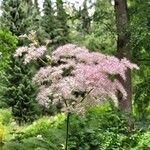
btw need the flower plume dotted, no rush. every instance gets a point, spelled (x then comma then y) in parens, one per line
(77, 77)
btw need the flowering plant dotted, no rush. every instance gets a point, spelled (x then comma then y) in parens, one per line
(76, 77)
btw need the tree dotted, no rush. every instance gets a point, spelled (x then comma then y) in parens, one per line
(48, 20)
(20, 92)
(104, 15)
(102, 35)
(34, 16)
(85, 18)
(8, 44)
(14, 16)
(123, 50)
(36, 6)
(62, 31)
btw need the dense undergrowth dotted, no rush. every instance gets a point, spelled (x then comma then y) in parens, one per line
(100, 128)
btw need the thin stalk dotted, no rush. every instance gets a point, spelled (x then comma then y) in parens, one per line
(43, 61)
(67, 131)
(86, 95)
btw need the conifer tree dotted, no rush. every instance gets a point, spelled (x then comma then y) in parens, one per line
(36, 6)
(62, 27)
(34, 16)
(14, 16)
(8, 44)
(48, 20)
(20, 93)
(85, 18)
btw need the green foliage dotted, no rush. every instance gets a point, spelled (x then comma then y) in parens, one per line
(142, 95)
(144, 142)
(8, 44)
(85, 19)
(140, 45)
(62, 29)
(96, 40)
(2, 134)
(54, 27)
(15, 16)
(101, 128)
(33, 143)
(140, 30)
(43, 134)
(34, 16)
(5, 116)
(101, 34)
(36, 21)
(43, 125)
(20, 92)
(49, 20)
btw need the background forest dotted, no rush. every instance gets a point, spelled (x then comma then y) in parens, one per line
(119, 28)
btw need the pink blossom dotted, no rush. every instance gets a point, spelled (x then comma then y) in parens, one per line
(31, 52)
(34, 53)
(78, 75)
(43, 96)
(20, 50)
(42, 75)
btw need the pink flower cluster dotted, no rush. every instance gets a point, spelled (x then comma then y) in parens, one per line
(30, 52)
(78, 77)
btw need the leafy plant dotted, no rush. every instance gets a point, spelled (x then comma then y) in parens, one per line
(5, 116)
(100, 128)
(8, 44)
(2, 134)
(143, 142)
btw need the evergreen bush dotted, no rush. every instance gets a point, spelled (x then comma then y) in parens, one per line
(20, 92)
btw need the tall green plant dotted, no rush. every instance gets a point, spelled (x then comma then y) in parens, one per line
(85, 18)
(48, 20)
(8, 44)
(62, 31)
(20, 92)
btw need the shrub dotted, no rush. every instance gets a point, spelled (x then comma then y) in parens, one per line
(5, 116)
(2, 134)
(43, 125)
(43, 134)
(100, 128)
(144, 142)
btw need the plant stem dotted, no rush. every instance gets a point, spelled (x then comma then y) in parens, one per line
(67, 131)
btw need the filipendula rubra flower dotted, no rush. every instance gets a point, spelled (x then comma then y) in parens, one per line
(77, 77)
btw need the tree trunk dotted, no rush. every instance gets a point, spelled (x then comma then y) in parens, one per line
(123, 50)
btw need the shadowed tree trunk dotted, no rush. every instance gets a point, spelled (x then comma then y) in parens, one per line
(123, 50)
